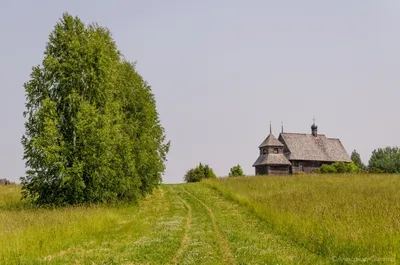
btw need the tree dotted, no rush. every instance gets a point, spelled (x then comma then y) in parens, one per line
(198, 173)
(385, 160)
(236, 171)
(92, 130)
(355, 157)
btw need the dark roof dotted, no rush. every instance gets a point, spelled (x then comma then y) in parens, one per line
(270, 141)
(271, 159)
(308, 147)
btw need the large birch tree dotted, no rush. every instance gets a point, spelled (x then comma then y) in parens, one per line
(92, 128)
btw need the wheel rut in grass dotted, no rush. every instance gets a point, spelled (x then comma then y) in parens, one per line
(222, 241)
(185, 239)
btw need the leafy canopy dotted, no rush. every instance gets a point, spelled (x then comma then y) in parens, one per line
(198, 173)
(92, 128)
(236, 171)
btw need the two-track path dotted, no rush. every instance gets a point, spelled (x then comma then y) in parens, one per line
(219, 231)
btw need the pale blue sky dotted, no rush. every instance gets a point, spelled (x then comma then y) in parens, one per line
(221, 70)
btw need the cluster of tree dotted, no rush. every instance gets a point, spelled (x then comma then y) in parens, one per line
(92, 128)
(385, 160)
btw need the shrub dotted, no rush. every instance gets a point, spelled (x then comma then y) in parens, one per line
(198, 173)
(236, 171)
(327, 169)
(338, 167)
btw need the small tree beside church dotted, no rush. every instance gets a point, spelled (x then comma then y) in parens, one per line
(355, 157)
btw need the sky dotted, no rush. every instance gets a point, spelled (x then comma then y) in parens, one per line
(221, 70)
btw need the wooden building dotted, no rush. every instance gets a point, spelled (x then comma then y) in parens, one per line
(295, 152)
(4, 182)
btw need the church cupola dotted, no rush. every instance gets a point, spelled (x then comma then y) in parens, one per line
(314, 129)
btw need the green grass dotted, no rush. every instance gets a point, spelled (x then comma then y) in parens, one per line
(344, 217)
(98, 234)
(178, 224)
(251, 220)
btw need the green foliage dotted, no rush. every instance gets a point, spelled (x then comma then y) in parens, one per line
(92, 129)
(385, 160)
(198, 173)
(338, 167)
(327, 169)
(355, 157)
(236, 171)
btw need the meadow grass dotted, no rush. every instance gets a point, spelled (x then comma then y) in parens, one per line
(224, 232)
(251, 220)
(90, 234)
(347, 218)
(177, 224)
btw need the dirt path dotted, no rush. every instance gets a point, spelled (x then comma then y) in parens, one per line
(223, 243)
(185, 240)
(234, 233)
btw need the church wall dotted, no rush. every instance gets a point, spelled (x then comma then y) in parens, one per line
(306, 166)
(278, 170)
(261, 170)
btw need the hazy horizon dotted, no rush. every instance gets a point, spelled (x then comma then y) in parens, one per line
(221, 70)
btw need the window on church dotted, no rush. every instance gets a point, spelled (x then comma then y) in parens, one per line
(276, 150)
(264, 151)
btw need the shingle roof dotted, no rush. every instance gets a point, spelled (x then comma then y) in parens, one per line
(309, 147)
(270, 141)
(271, 159)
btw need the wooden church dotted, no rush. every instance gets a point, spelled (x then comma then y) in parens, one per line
(298, 152)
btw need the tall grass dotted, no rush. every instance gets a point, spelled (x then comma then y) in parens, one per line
(345, 217)
(29, 233)
(148, 233)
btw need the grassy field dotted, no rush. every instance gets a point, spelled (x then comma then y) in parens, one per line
(254, 220)
(353, 218)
